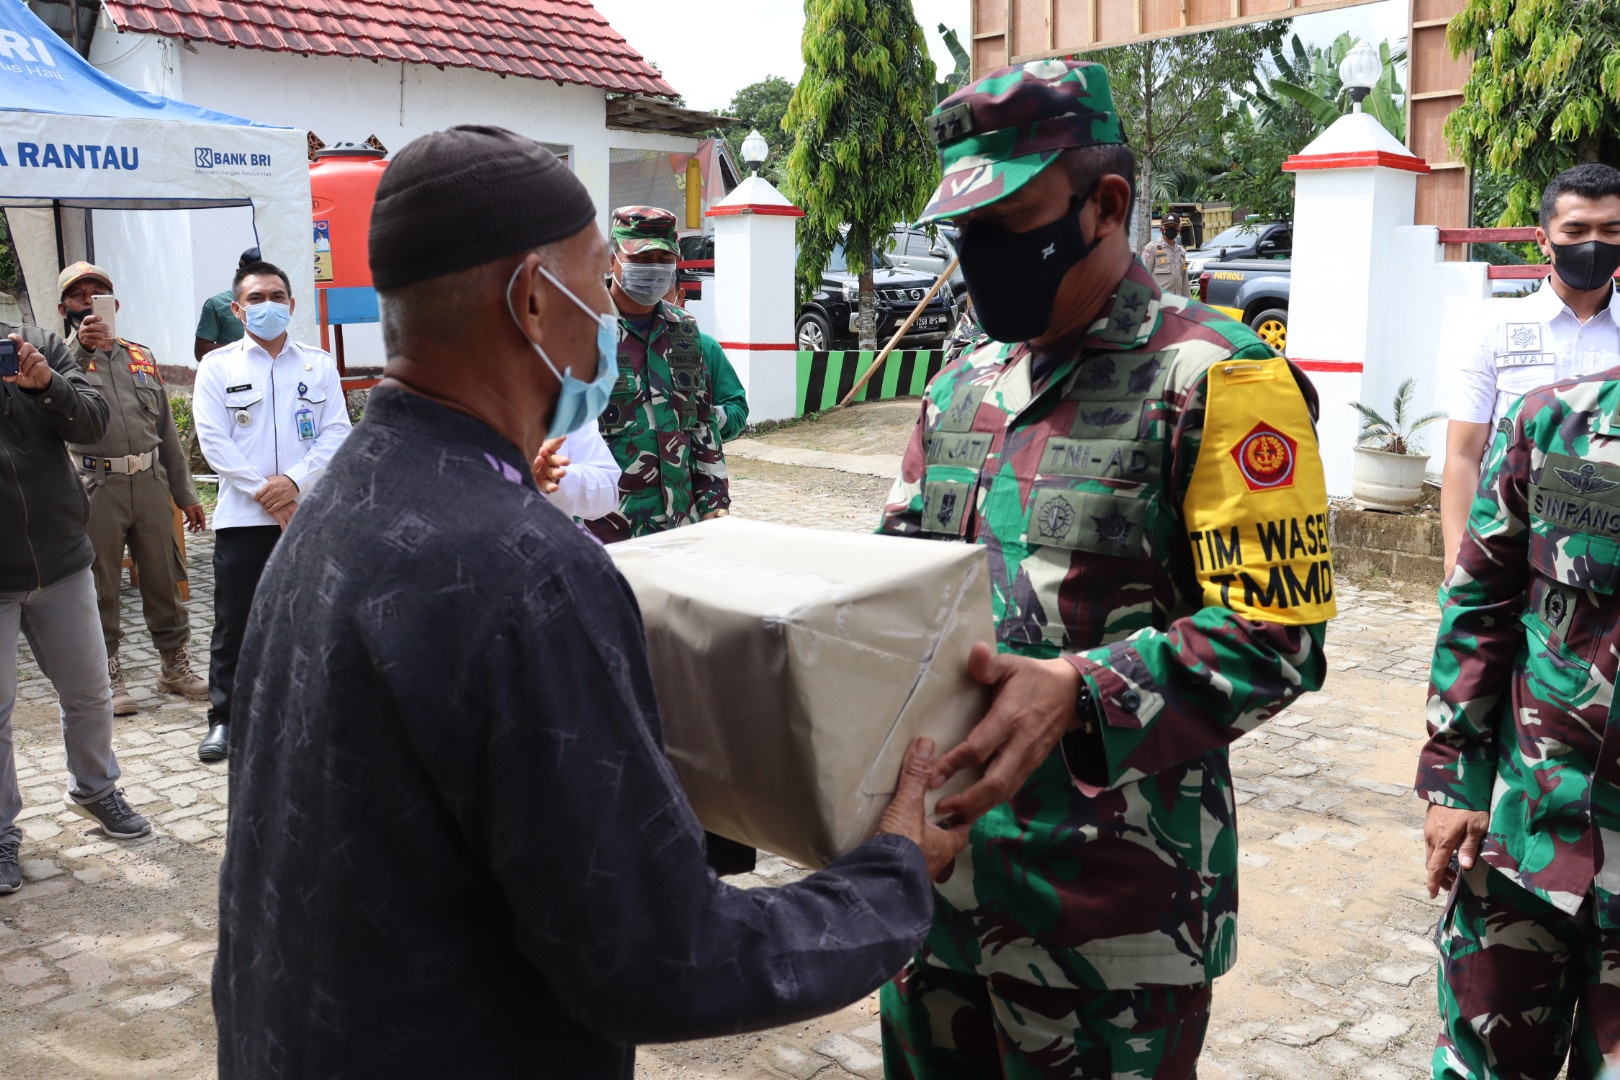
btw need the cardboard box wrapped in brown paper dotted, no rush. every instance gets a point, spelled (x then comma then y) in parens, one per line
(794, 666)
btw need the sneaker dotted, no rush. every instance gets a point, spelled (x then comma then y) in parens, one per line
(10, 872)
(112, 813)
(123, 701)
(177, 676)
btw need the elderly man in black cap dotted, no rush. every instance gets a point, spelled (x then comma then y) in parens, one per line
(456, 847)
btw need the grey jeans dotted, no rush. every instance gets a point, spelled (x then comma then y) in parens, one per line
(64, 630)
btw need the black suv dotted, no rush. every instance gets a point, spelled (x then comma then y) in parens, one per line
(827, 319)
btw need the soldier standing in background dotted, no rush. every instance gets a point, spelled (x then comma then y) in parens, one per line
(131, 474)
(1144, 476)
(218, 325)
(1166, 259)
(660, 423)
(1521, 789)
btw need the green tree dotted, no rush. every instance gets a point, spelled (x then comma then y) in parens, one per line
(1543, 94)
(861, 155)
(761, 106)
(1169, 92)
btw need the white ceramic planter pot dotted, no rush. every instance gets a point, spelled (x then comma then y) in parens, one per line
(1385, 481)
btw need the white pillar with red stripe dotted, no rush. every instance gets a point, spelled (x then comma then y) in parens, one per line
(1355, 185)
(755, 252)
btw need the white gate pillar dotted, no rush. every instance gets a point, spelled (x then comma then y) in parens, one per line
(755, 253)
(1355, 185)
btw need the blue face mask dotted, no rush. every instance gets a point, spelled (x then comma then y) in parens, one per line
(578, 403)
(267, 321)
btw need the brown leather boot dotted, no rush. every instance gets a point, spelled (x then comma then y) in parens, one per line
(177, 676)
(123, 701)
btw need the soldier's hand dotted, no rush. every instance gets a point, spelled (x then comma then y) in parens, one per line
(550, 466)
(906, 816)
(94, 334)
(1035, 704)
(196, 520)
(33, 370)
(1447, 830)
(276, 493)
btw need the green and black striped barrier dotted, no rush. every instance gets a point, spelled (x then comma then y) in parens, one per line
(825, 377)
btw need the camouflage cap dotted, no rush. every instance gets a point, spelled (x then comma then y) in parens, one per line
(76, 272)
(644, 228)
(999, 133)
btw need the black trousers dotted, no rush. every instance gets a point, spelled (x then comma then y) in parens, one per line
(239, 558)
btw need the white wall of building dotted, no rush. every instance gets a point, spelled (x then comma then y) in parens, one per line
(340, 100)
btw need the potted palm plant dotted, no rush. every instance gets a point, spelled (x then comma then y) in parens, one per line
(1389, 466)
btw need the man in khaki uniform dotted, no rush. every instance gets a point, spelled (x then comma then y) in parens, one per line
(131, 475)
(1166, 259)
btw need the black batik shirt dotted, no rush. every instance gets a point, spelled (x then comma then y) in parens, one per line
(456, 848)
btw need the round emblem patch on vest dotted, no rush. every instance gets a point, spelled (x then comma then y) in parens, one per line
(1265, 457)
(243, 419)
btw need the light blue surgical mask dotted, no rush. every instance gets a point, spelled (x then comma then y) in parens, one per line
(267, 321)
(578, 402)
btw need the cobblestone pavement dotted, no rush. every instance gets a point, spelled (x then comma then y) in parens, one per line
(106, 951)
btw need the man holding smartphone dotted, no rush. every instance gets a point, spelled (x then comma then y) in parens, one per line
(46, 589)
(131, 473)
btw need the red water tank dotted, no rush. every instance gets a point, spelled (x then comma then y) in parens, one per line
(343, 184)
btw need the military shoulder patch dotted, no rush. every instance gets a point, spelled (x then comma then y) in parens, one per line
(1266, 458)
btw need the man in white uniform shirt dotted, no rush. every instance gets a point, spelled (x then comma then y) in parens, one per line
(578, 474)
(270, 414)
(1569, 327)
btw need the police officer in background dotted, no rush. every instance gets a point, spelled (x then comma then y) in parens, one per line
(131, 474)
(270, 414)
(661, 423)
(1166, 259)
(1143, 474)
(1567, 328)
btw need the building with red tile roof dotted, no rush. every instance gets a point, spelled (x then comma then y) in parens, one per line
(564, 41)
(384, 72)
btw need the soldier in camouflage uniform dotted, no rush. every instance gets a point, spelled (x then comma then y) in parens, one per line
(1144, 476)
(660, 423)
(1521, 789)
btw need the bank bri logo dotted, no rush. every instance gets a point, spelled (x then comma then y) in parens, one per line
(218, 159)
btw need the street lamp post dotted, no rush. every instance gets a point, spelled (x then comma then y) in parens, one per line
(1359, 71)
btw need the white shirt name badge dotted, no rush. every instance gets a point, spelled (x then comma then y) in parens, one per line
(1523, 346)
(305, 417)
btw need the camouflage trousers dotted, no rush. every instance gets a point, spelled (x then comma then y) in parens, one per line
(947, 1025)
(1523, 985)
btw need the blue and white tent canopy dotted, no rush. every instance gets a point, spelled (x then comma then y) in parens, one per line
(71, 135)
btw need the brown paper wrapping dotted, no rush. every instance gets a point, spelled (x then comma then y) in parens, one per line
(794, 666)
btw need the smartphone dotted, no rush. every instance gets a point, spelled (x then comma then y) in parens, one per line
(105, 308)
(8, 357)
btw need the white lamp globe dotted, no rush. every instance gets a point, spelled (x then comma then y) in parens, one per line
(755, 149)
(1360, 71)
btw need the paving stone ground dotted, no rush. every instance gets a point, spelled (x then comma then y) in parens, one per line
(105, 953)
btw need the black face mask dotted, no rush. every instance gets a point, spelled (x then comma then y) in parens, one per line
(1013, 278)
(74, 318)
(1588, 266)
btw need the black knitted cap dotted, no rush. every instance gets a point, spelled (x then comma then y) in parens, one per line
(463, 197)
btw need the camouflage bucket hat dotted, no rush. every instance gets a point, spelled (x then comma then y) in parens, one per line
(998, 134)
(644, 228)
